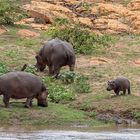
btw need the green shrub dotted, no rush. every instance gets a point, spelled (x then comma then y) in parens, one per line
(9, 11)
(61, 21)
(67, 77)
(3, 68)
(81, 84)
(31, 69)
(57, 92)
(83, 41)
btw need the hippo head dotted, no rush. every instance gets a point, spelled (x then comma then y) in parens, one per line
(40, 65)
(42, 99)
(111, 85)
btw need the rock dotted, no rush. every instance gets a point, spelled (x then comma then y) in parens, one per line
(137, 61)
(134, 5)
(111, 25)
(116, 18)
(39, 26)
(106, 9)
(104, 16)
(3, 29)
(27, 33)
(86, 21)
(25, 21)
(47, 11)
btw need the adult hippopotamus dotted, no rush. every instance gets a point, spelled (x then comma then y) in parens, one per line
(18, 85)
(55, 54)
(119, 84)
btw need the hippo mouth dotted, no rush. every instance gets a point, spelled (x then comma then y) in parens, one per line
(108, 89)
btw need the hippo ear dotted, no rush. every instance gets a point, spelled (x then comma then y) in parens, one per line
(113, 82)
(108, 82)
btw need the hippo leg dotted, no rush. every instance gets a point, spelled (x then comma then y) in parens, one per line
(50, 70)
(71, 67)
(116, 92)
(124, 91)
(31, 103)
(6, 100)
(56, 72)
(28, 102)
(129, 91)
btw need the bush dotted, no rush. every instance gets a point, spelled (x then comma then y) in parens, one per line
(61, 21)
(3, 68)
(67, 77)
(81, 84)
(30, 69)
(9, 11)
(83, 41)
(57, 92)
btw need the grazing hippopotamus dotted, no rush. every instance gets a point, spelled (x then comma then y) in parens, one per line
(119, 84)
(55, 54)
(19, 85)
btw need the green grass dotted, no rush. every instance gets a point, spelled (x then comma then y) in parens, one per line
(16, 51)
(55, 114)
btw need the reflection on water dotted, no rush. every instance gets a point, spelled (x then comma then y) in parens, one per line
(124, 134)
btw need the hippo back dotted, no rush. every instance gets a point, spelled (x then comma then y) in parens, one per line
(122, 82)
(20, 84)
(57, 50)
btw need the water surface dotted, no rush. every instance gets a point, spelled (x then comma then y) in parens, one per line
(122, 134)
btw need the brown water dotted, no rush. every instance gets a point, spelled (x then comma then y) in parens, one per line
(50, 134)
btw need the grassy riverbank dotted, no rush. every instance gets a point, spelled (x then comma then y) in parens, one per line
(84, 109)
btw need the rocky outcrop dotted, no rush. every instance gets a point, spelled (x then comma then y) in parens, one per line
(117, 18)
(134, 5)
(24, 33)
(48, 12)
(106, 17)
(3, 29)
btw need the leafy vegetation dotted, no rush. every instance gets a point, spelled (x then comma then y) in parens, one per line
(3, 68)
(67, 77)
(58, 92)
(9, 11)
(83, 41)
(31, 69)
(61, 21)
(81, 84)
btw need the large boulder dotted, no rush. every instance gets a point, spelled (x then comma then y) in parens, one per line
(47, 11)
(111, 26)
(115, 18)
(106, 17)
(24, 33)
(134, 5)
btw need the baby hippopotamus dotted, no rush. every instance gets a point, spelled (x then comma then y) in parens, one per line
(119, 84)
(19, 85)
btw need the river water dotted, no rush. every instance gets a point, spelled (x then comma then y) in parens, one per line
(122, 134)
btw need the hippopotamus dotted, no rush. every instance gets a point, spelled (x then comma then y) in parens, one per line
(55, 53)
(19, 85)
(119, 84)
